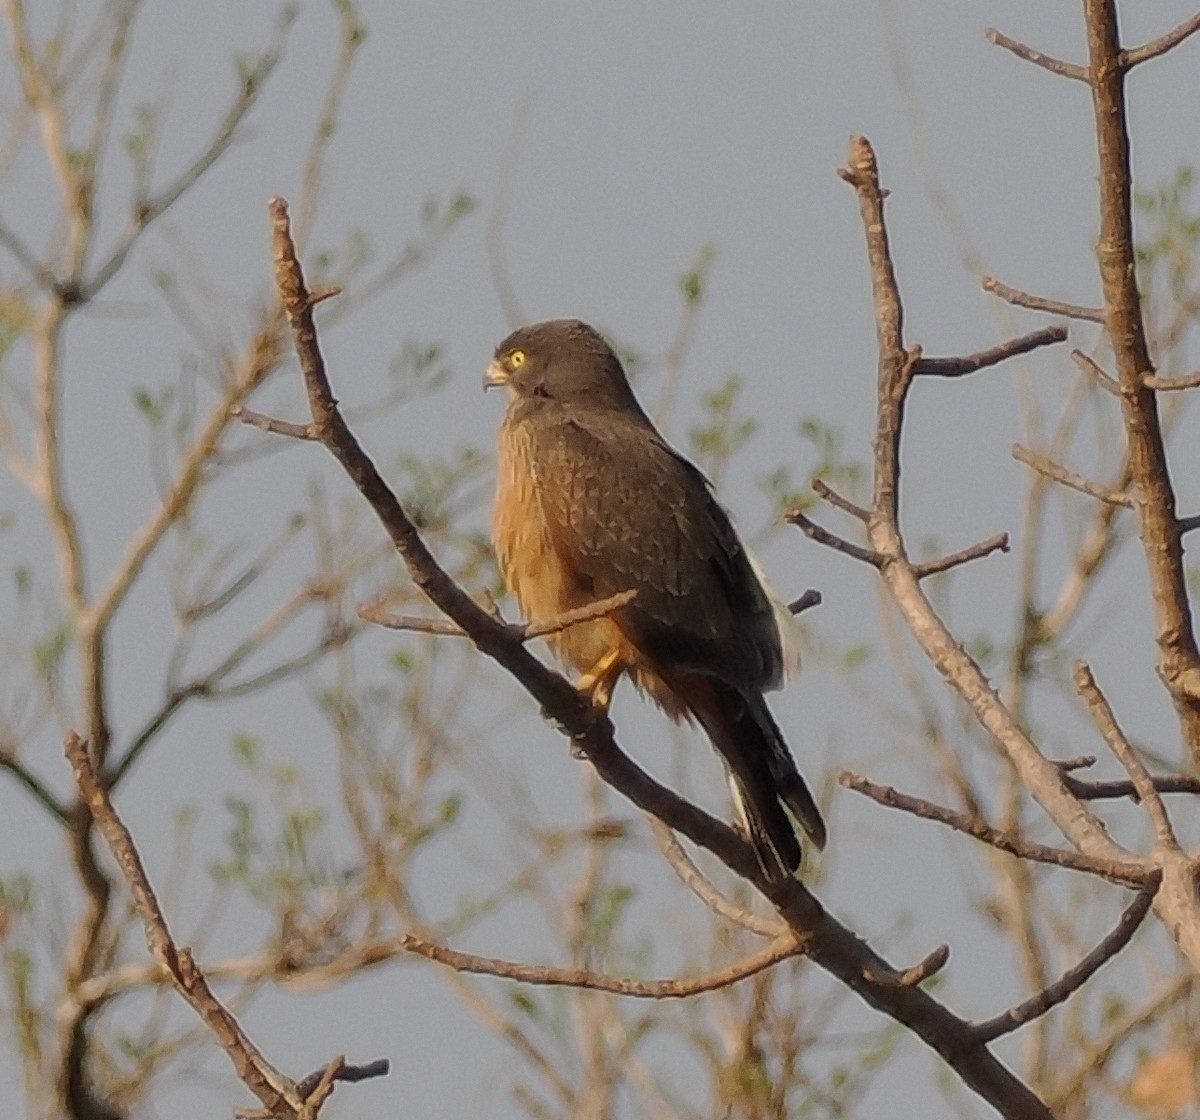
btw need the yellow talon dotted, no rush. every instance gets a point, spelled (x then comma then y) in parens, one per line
(598, 684)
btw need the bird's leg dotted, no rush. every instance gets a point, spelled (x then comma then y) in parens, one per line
(598, 683)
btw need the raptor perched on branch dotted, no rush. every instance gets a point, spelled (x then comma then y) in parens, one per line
(592, 501)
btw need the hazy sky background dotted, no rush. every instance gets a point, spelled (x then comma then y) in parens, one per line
(652, 129)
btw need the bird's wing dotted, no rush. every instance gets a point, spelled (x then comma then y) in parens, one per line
(625, 511)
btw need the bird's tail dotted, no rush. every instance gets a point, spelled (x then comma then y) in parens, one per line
(770, 795)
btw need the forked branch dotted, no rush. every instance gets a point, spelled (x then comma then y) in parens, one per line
(817, 934)
(1074, 978)
(278, 1094)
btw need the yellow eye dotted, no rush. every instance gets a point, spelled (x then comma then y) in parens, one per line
(516, 359)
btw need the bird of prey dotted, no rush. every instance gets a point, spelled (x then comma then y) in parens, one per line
(591, 501)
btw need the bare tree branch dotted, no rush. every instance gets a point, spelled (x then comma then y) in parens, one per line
(1136, 55)
(971, 363)
(270, 424)
(824, 490)
(998, 543)
(816, 533)
(524, 632)
(811, 598)
(930, 965)
(276, 1091)
(1044, 781)
(1092, 368)
(1179, 657)
(1105, 790)
(545, 975)
(34, 785)
(819, 935)
(316, 1088)
(1070, 70)
(1038, 303)
(1058, 473)
(1074, 978)
(1125, 872)
(1106, 721)
(1171, 384)
(692, 878)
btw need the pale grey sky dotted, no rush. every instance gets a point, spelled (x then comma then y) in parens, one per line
(652, 129)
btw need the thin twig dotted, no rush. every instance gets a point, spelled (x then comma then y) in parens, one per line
(1093, 369)
(318, 1085)
(523, 632)
(692, 878)
(270, 424)
(970, 363)
(148, 210)
(24, 255)
(1106, 721)
(1164, 43)
(1038, 303)
(998, 543)
(1058, 473)
(262, 357)
(1171, 384)
(1078, 762)
(1127, 872)
(811, 598)
(816, 533)
(1057, 66)
(822, 489)
(380, 1067)
(1123, 787)
(498, 215)
(1074, 978)
(276, 1091)
(895, 363)
(35, 786)
(929, 965)
(545, 975)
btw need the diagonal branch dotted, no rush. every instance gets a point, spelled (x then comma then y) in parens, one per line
(815, 532)
(1040, 776)
(147, 210)
(1074, 978)
(524, 632)
(994, 355)
(691, 877)
(1039, 303)
(819, 935)
(1106, 721)
(1093, 369)
(276, 1092)
(1057, 66)
(998, 543)
(1058, 473)
(838, 501)
(1164, 43)
(1126, 872)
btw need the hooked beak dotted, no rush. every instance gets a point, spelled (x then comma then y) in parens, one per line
(496, 375)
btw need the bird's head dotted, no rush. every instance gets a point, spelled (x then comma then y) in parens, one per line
(563, 360)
